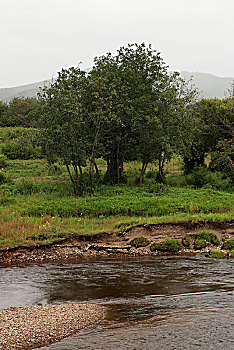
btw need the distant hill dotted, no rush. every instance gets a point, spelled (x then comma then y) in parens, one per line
(209, 85)
(29, 90)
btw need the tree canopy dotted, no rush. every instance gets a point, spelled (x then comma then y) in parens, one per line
(127, 107)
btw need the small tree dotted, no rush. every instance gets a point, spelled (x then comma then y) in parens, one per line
(22, 112)
(64, 122)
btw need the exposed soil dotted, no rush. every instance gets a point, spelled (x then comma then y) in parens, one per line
(118, 243)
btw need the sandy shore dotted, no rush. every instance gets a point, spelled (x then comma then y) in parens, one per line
(32, 327)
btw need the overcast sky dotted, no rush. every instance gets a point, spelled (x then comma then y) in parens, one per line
(39, 37)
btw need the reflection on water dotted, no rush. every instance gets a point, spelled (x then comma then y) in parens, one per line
(152, 303)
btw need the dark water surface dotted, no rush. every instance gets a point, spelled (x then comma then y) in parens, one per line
(151, 303)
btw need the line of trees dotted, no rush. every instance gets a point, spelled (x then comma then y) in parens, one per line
(127, 107)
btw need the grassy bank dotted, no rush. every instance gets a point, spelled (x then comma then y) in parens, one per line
(38, 205)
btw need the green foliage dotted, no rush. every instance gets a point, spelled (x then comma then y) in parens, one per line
(212, 120)
(169, 245)
(200, 243)
(229, 244)
(222, 159)
(186, 240)
(4, 178)
(20, 149)
(19, 143)
(231, 254)
(21, 112)
(204, 238)
(139, 242)
(216, 254)
(127, 107)
(55, 169)
(3, 161)
(203, 177)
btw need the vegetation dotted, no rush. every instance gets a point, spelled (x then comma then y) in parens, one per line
(200, 243)
(139, 242)
(125, 142)
(216, 254)
(169, 245)
(209, 237)
(186, 240)
(229, 244)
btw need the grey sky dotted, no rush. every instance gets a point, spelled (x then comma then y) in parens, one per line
(39, 37)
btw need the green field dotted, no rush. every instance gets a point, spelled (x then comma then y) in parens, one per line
(38, 204)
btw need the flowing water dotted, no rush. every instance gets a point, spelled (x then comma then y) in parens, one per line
(151, 303)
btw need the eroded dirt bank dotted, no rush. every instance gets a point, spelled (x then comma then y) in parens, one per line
(118, 243)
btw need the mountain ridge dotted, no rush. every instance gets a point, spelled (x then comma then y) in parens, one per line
(209, 85)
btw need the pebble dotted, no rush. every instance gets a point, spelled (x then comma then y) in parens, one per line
(36, 326)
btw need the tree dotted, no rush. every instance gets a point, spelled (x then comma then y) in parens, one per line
(3, 109)
(213, 121)
(64, 122)
(22, 112)
(222, 158)
(140, 105)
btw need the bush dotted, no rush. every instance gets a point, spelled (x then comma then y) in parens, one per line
(139, 242)
(200, 244)
(186, 240)
(4, 178)
(55, 169)
(20, 149)
(26, 187)
(229, 244)
(169, 245)
(3, 161)
(216, 254)
(209, 237)
(231, 254)
(203, 177)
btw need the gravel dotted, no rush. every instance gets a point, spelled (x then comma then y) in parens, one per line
(32, 327)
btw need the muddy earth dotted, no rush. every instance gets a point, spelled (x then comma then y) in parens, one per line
(118, 243)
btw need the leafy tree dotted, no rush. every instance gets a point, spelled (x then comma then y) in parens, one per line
(64, 122)
(222, 159)
(3, 109)
(138, 105)
(22, 112)
(213, 121)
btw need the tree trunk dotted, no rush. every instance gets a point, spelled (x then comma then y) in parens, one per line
(143, 169)
(72, 179)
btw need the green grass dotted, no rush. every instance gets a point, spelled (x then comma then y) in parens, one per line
(39, 203)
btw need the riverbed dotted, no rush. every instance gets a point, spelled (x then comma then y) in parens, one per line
(150, 302)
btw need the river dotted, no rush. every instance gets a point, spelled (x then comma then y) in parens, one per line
(151, 303)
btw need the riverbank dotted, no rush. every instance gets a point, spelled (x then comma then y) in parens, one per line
(23, 328)
(120, 243)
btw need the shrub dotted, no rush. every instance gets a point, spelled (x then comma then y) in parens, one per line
(26, 187)
(209, 237)
(139, 242)
(169, 245)
(20, 149)
(55, 169)
(216, 254)
(203, 177)
(4, 178)
(229, 244)
(3, 161)
(186, 240)
(200, 243)
(231, 254)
